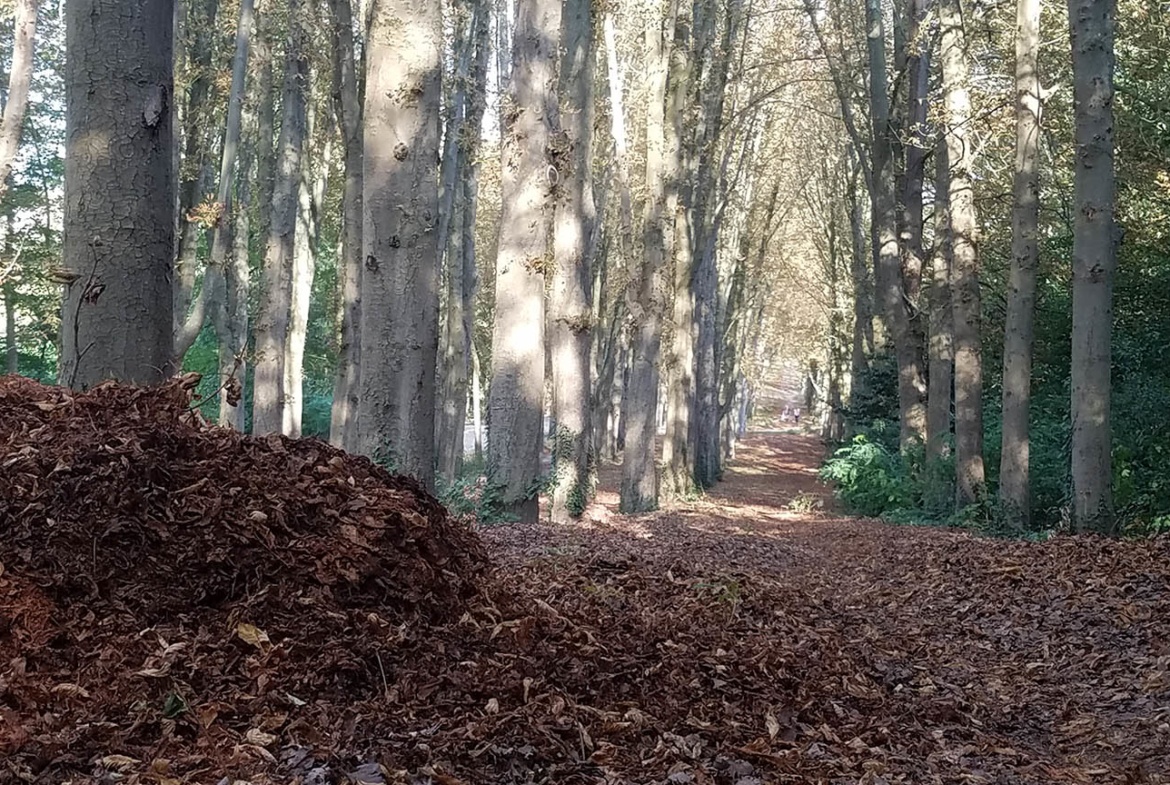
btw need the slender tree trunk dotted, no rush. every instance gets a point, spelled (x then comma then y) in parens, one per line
(19, 78)
(570, 296)
(348, 112)
(917, 92)
(234, 346)
(196, 170)
(517, 387)
(1092, 24)
(265, 118)
(863, 341)
(639, 487)
(117, 313)
(1014, 476)
(911, 386)
(272, 322)
(965, 300)
(400, 304)
(476, 403)
(940, 345)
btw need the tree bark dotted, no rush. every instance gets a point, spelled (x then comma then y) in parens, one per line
(265, 118)
(517, 387)
(119, 81)
(400, 305)
(19, 78)
(234, 345)
(570, 295)
(965, 299)
(915, 148)
(639, 486)
(940, 344)
(1014, 476)
(863, 341)
(1092, 24)
(348, 112)
(911, 386)
(272, 322)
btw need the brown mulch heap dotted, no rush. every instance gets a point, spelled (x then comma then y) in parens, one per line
(730, 641)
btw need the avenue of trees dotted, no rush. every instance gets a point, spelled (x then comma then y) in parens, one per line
(567, 232)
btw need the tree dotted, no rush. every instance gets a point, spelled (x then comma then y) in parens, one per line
(639, 489)
(272, 322)
(940, 342)
(119, 82)
(19, 79)
(348, 111)
(400, 199)
(1014, 471)
(570, 298)
(1091, 24)
(965, 297)
(517, 386)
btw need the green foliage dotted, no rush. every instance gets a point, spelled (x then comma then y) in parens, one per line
(805, 502)
(869, 478)
(471, 498)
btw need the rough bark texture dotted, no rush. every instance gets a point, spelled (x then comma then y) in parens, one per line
(639, 487)
(888, 273)
(677, 471)
(19, 78)
(1014, 477)
(570, 295)
(118, 250)
(940, 344)
(965, 300)
(348, 110)
(1094, 259)
(265, 117)
(863, 340)
(400, 306)
(517, 386)
(917, 65)
(234, 344)
(272, 322)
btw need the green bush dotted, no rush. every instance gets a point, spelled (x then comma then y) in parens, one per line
(869, 478)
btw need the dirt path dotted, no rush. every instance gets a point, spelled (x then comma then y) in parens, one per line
(881, 654)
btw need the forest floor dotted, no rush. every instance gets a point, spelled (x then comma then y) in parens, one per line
(182, 605)
(803, 645)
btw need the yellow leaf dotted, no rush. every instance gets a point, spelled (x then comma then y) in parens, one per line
(252, 635)
(773, 725)
(493, 706)
(259, 737)
(119, 762)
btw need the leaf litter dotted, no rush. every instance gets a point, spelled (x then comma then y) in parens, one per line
(184, 604)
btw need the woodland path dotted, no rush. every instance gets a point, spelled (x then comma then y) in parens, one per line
(888, 653)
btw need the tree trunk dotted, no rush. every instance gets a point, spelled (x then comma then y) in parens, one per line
(639, 487)
(117, 313)
(965, 300)
(196, 170)
(1014, 476)
(19, 79)
(272, 322)
(918, 89)
(348, 111)
(570, 295)
(400, 304)
(234, 345)
(476, 403)
(678, 469)
(517, 387)
(1094, 259)
(265, 118)
(863, 342)
(911, 387)
(940, 345)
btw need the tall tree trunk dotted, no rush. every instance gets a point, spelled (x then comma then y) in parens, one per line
(305, 245)
(639, 487)
(705, 281)
(348, 111)
(517, 388)
(234, 345)
(1014, 476)
(196, 170)
(213, 294)
(1094, 260)
(570, 296)
(965, 300)
(19, 78)
(272, 322)
(917, 93)
(116, 316)
(863, 342)
(940, 345)
(400, 303)
(265, 117)
(678, 468)
(888, 272)
(476, 403)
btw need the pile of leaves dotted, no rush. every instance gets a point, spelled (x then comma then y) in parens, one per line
(163, 582)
